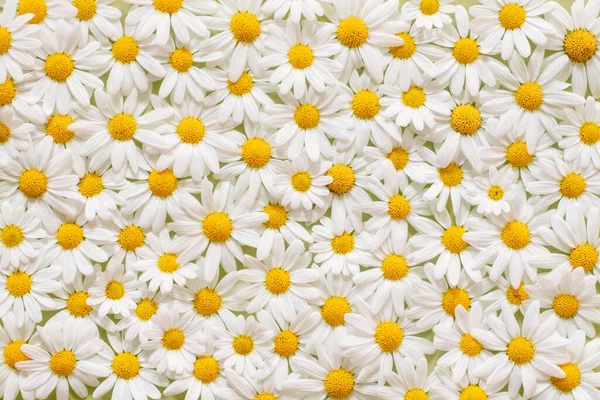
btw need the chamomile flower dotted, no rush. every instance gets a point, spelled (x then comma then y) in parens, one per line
(20, 234)
(46, 13)
(98, 18)
(495, 193)
(411, 380)
(11, 340)
(580, 133)
(246, 388)
(174, 340)
(115, 291)
(14, 135)
(449, 388)
(140, 320)
(98, 190)
(428, 13)
(130, 237)
(310, 9)
(14, 95)
(507, 296)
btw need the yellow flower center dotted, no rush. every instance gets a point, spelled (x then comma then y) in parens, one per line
(365, 104)
(277, 280)
(125, 50)
(56, 127)
(388, 336)
(191, 130)
(307, 116)
(453, 297)
(114, 290)
(515, 235)
(529, 96)
(565, 305)
(256, 152)
(416, 394)
(77, 304)
(207, 302)
(245, 27)
(131, 238)
(181, 60)
(217, 227)
(407, 49)
(517, 155)
(126, 365)
(36, 7)
(4, 133)
(339, 383)
(162, 183)
(168, 6)
(146, 309)
(91, 185)
(516, 296)
(59, 66)
(334, 310)
(452, 239)
(173, 339)
(243, 344)
(580, 45)
(569, 382)
(394, 267)
(342, 244)
(589, 133)
(414, 97)
(69, 235)
(122, 127)
(465, 119)
(465, 51)
(352, 32)
(206, 369)
(584, 255)
(473, 392)
(167, 263)
(520, 350)
(429, 7)
(451, 175)
(243, 85)
(301, 56)
(495, 193)
(5, 40)
(11, 236)
(301, 181)
(512, 16)
(277, 216)
(398, 207)
(13, 354)
(286, 343)
(63, 362)
(18, 283)
(33, 183)
(572, 185)
(343, 178)
(86, 9)
(8, 92)
(469, 345)
(399, 157)
(265, 396)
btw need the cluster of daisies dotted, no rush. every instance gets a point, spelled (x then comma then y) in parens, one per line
(299, 199)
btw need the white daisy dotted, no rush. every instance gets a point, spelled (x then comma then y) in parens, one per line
(97, 17)
(504, 295)
(14, 135)
(129, 238)
(140, 320)
(411, 380)
(115, 290)
(99, 191)
(20, 234)
(14, 95)
(580, 133)
(310, 9)
(448, 388)
(46, 13)
(428, 13)
(495, 194)
(246, 388)
(11, 340)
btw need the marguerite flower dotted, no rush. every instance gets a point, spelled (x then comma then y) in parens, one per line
(495, 194)
(98, 191)
(20, 234)
(97, 17)
(14, 135)
(246, 388)
(410, 380)
(449, 388)
(46, 13)
(115, 291)
(11, 340)
(580, 133)
(140, 320)
(505, 295)
(129, 238)
(428, 13)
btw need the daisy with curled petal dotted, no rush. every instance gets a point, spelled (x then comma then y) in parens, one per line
(506, 25)
(97, 17)
(580, 132)
(240, 36)
(200, 140)
(303, 182)
(115, 125)
(20, 234)
(115, 290)
(493, 194)
(575, 44)
(46, 13)
(242, 344)
(131, 374)
(310, 9)
(161, 266)
(309, 123)
(382, 339)
(42, 181)
(449, 388)
(63, 358)
(245, 388)
(411, 380)
(99, 192)
(216, 228)
(14, 135)
(428, 13)
(362, 33)
(281, 284)
(129, 238)
(174, 340)
(526, 353)
(11, 340)
(418, 105)
(139, 321)
(300, 55)
(513, 298)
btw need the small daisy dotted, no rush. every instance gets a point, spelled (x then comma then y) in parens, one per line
(129, 238)
(504, 295)
(411, 380)
(20, 234)
(141, 320)
(116, 291)
(46, 13)
(310, 9)
(97, 17)
(246, 388)
(11, 340)
(14, 95)
(14, 135)
(493, 194)
(217, 227)
(428, 13)
(449, 388)
(580, 133)
(174, 340)
(99, 191)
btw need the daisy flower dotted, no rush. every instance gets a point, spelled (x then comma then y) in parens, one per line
(161, 266)
(448, 388)
(428, 13)
(580, 133)
(308, 123)
(504, 295)
(300, 55)
(526, 353)
(14, 135)
(303, 182)
(46, 13)
(97, 17)
(11, 340)
(240, 36)
(411, 380)
(495, 193)
(174, 340)
(246, 388)
(131, 374)
(281, 284)
(162, 15)
(575, 44)
(115, 291)
(310, 9)
(129, 238)
(217, 227)
(99, 192)
(242, 344)
(140, 320)
(14, 95)
(20, 234)
(419, 105)
(64, 358)
(362, 34)
(506, 25)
